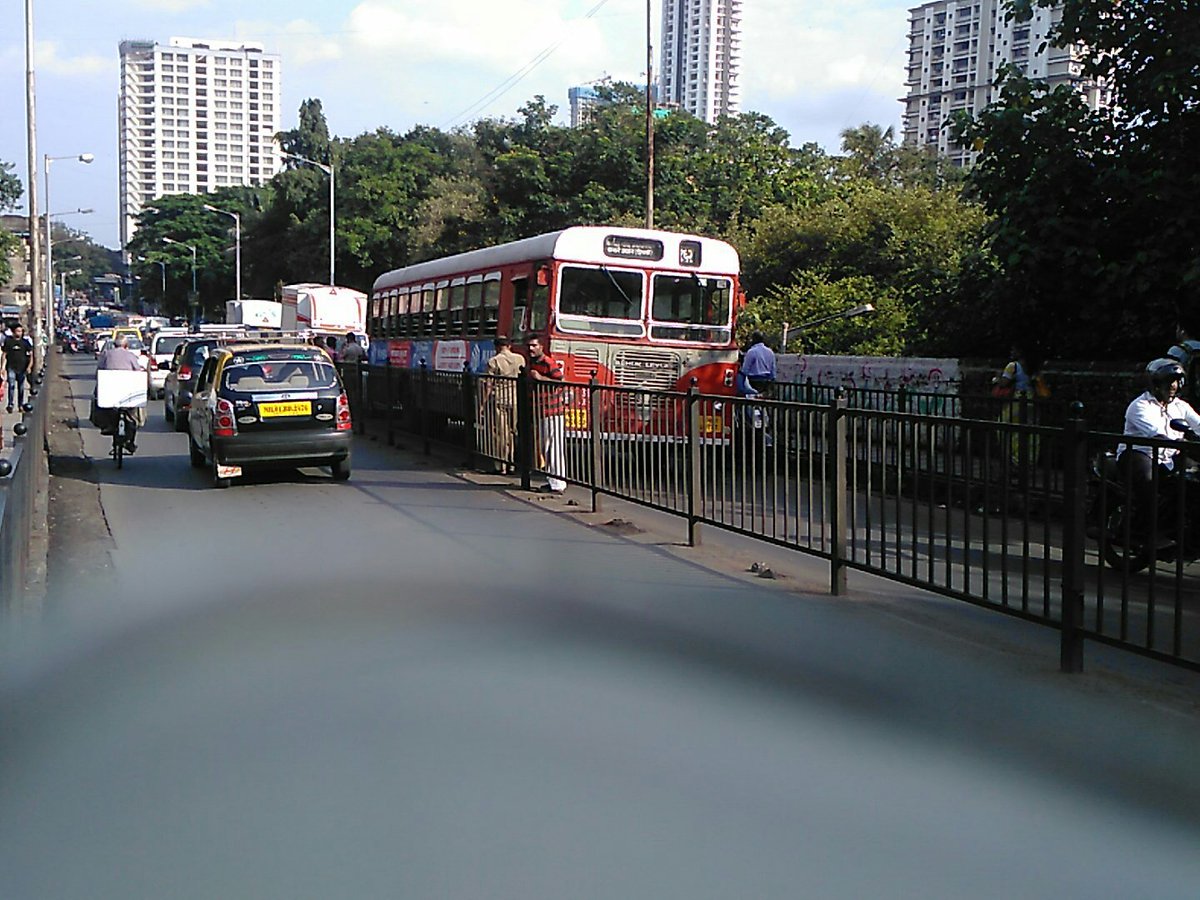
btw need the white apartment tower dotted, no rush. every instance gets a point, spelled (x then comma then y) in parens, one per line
(701, 50)
(194, 116)
(955, 49)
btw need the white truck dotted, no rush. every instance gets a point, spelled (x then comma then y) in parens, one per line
(258, 313)
(324, 309)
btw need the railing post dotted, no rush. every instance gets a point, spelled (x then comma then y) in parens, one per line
(693, 448)
(468, 402)
(595, 435)
(1074, 514)
(526, 437)
(836, 469)
(423, 405)
(360, 406)
(389, 392)
(902, 400)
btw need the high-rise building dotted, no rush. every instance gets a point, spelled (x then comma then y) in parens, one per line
(194, 116)
(701, 53)
(955, 49)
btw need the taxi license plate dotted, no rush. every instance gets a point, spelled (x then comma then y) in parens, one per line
(285, 408)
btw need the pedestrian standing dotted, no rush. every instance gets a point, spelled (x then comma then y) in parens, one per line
(498, 403)
(549, 406)
(18, 357)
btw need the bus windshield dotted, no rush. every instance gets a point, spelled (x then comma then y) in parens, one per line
(691, 308)
(601, 301)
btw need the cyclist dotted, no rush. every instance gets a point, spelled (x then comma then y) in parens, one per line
(118, 356)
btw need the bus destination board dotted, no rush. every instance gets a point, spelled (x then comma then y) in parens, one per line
(624, 247)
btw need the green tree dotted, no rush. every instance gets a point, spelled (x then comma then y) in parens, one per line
(1097, 214)
(911, 244)
(11, 188)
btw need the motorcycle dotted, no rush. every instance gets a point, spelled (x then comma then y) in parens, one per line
(1111, 523)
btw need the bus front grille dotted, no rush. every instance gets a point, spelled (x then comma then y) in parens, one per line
(655, 370)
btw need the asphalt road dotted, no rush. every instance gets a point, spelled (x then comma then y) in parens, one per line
(420, 683)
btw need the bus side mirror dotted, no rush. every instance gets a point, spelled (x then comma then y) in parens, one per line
(543, 276)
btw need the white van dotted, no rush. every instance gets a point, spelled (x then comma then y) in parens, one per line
(162, 349)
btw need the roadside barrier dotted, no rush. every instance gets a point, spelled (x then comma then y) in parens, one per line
(24, 485)
(1015, 516)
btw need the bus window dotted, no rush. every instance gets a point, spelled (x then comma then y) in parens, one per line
(391, 314)
(691, 308)
(474, 305)
(441, 309)
(427, 311)
(520, 303)
(539, 308)
(491, 304)
(376, 324)
(601, 301)
(458, 295)
(405, 313)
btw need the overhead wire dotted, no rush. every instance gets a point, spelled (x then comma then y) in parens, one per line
(512, 80)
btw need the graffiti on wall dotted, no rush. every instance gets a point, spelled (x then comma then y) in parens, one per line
(878, 373)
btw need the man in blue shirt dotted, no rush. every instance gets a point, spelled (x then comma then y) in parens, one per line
(757, 372)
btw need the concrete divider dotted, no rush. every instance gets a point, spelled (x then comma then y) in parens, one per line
(24, 493)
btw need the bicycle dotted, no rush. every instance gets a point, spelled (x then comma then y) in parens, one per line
(122, 392)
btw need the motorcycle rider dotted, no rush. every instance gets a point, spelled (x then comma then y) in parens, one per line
(1150, 415)
(757, 371)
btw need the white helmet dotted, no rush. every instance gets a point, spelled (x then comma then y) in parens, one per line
(1163, 370)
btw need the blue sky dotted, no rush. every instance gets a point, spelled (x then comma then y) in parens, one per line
(814, 67)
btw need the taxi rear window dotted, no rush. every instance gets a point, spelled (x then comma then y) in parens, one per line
(275, 375)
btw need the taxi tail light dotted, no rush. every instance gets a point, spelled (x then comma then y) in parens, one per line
(185, 372)
(225, 425)
(343, 413)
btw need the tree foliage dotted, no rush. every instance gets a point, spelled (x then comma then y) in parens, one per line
(1096, 215)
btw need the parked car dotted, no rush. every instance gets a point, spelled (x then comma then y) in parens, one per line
(162, 350)
(264, 405)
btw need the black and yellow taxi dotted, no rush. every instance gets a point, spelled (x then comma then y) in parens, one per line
(264, 405)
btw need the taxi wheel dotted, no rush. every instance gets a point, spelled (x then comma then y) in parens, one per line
(217, 480)
(340, 469)
(195, 453)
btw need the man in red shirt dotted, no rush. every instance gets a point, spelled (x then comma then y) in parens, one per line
(549, 405)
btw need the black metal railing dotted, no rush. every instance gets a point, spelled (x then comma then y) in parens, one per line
(1011, 515)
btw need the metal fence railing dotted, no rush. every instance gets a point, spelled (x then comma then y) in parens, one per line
(23, 489)
(1016, 516)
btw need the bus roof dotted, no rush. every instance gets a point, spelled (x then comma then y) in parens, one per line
(581, 243)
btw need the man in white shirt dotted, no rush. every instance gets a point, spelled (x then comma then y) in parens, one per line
(1150, 415)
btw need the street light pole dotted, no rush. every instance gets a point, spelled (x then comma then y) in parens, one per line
(162, 265)
(35, 255)
(46, 160)
(237, 230)
(649, 125)
(328, 170)
(49, 304)
(167, 240)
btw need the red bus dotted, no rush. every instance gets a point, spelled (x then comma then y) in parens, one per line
(633, 307)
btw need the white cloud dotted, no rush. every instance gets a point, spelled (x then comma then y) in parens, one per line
(47, 58)
(170, 6)
(300, 42)
(391, 62)
(854, 43)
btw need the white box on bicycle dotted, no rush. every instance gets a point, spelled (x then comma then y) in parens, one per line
(120, 388)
